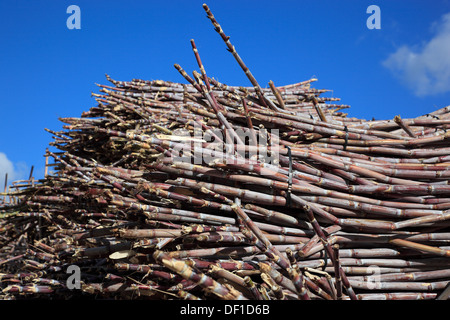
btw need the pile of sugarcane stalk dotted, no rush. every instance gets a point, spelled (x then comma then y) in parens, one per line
(201, 190)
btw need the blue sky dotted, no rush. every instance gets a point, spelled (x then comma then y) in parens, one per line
(49, 71)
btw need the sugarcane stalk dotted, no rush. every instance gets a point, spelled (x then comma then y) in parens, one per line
(277, 94)
(188, 273)
(404, 126)
(445, 294)
(241, 63)
(329, 250)
(309, 216)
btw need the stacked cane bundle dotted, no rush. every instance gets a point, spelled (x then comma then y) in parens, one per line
(207, 191)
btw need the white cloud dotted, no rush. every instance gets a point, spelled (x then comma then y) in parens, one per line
(425, 69)
(15, 172)
(6, 166)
